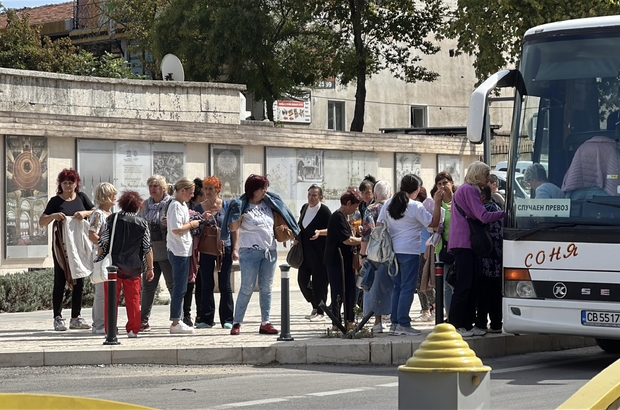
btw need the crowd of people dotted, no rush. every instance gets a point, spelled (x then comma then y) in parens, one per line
(171, 233)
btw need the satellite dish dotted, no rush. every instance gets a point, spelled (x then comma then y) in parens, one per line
(172, 69)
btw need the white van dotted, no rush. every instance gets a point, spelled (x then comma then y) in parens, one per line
(521, 166)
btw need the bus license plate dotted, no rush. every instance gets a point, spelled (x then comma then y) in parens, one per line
(594, 318)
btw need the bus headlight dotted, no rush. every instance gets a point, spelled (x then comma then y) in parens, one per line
(518, 284)
(523, 289)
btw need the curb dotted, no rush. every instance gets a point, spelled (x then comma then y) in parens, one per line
(375, 351)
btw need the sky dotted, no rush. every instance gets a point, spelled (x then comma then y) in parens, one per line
(18, 4)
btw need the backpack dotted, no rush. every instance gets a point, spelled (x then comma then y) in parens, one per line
(380, 248)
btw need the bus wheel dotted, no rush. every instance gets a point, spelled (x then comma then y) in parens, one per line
(609, 345)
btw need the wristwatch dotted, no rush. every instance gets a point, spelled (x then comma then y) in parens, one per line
(363, 256)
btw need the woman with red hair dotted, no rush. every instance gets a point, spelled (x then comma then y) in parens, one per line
(213, 210)
(132, 255)
(338, 257)
(252, 215)
(69, 201)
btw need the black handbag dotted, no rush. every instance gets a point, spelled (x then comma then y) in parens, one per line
(445, 256)
(295, 256)
(479, 235)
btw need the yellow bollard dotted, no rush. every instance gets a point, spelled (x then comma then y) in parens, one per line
(444, 373)
(23, 401)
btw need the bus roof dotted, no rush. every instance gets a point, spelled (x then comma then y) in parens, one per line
(590, 22)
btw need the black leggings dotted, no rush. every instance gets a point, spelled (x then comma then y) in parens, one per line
(338, 288)
(312, 280)
(58, 293)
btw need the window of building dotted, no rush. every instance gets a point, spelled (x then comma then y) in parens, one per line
(335, 115)
(418, 116)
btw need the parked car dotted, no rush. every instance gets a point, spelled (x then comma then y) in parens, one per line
(521, 166)
(522, 188)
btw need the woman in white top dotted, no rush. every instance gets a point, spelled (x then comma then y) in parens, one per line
(105, 198)
(179, 244)
(405, 219)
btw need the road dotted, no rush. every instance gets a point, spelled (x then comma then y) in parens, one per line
(534, 381)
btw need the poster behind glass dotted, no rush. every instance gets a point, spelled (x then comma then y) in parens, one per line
(26, 196)
(128, 164)
(406, 163)
(453, 164)
(227, 165)
(292, 171)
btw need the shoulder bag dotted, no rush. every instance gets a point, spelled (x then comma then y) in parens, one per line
(281, 229)
(479, 235)
(295, 256)
(100, 273)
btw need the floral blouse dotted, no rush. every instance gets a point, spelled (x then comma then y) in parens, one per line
(369, 219)
(492, 264)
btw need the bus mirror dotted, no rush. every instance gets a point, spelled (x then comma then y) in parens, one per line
(478, 103)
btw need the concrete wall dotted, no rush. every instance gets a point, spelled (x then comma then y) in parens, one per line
(65, 108)
(61, 94)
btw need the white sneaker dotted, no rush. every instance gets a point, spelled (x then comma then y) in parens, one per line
(98, 331)
(392, 329)
(378, 328)
(406, 331)
(311, 315)
(464, 333)
(479, 332)
(181, 328)
(318, 318)
(424, 317)
(131, 334)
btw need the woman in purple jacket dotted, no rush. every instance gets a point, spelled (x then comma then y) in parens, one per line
(463, 307)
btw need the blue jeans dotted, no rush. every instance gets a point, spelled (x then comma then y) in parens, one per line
(404, 287)
(261, 264)
(180, 276)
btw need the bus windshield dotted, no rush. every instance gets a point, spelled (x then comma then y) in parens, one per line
(568, 124)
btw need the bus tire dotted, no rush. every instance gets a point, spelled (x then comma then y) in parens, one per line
(609, 345)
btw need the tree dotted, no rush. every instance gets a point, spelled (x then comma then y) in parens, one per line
(22, 47)
(370, 36)
(492, 30)
(137, 18)
(266, 44)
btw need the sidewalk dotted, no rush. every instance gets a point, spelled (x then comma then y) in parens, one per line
(27, 339)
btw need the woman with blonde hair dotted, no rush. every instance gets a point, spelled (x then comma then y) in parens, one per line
(154, 211)
(105, 198)
(467, 201)
(179, 243)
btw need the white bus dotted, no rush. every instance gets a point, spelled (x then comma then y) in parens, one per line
(562, 243)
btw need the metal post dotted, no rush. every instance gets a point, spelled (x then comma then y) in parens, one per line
(111, 330)
(438, 292)
(285, 334)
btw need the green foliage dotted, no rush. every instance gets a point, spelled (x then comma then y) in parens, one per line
(137, 19)
(22, 47)
(30, 291)
(367, 37)
(492, 30)
(267, 45)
